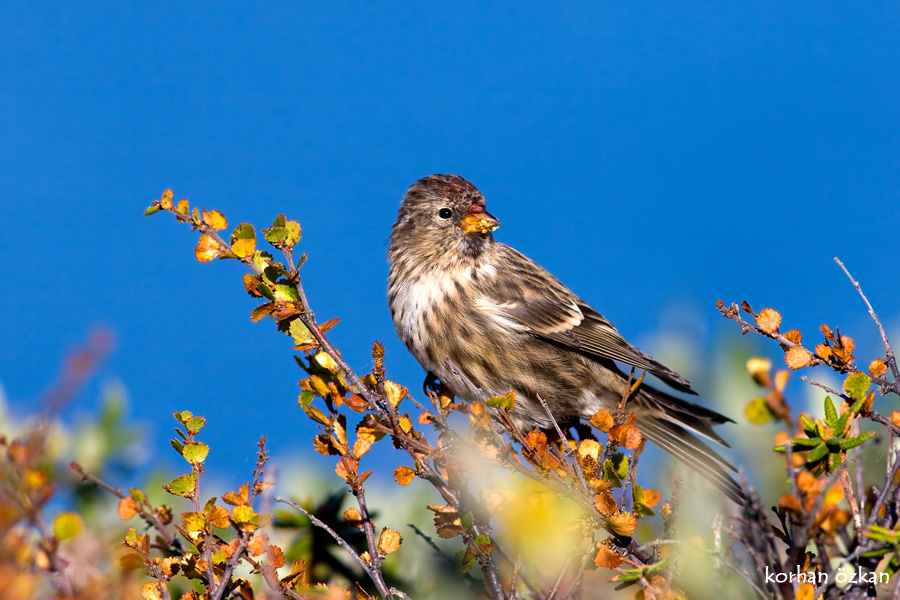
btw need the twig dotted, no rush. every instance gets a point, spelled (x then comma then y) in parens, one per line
(244, 536)
(576, 466)
(369, 529)
(337, 538)
(892, 361)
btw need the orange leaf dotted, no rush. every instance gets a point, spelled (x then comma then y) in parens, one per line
(768, 320)
(128, 507)
(607, 559)
(793, 335)
(207, 249)
(166, 200)
(404, 475)
(257, 544)
(805, 592)
(622, 524)
(651, 498)
(797, 358)
(275, 556)
(389, 541)
(877, 367)
(605, 503)
(218, 517)
(602, 420)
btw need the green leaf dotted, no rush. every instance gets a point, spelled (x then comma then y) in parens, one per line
(856, 441)
(137, 494)
(178, 445)
(506, 402)
(67, 525)
(610, 475)
(306, 397)
(153, 209)
(831, 416)
(757, 411)
(817, 454)
(195, 424)
(300, 332)
(195, 453)
(467, 521)
(286, 292)
(620, 461)
(279, 221)
(266, 291)
(183, 416)
(183, 485)
(242, 232)
(857, 384)
(805, 443)
(809, 426)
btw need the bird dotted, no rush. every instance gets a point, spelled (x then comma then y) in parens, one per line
(484, 320)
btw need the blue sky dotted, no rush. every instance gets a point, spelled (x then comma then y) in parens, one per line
(654, 157)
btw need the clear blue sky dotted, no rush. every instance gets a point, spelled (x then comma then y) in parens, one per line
(650, 155)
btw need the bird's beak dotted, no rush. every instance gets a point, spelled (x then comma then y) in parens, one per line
(481, 222)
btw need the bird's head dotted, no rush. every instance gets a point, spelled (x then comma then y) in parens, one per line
(444, 210)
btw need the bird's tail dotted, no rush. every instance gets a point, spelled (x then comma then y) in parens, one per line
(671, 423)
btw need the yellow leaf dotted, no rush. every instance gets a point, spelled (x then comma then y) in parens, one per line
(602, 420)
(591, 448)
(166, 200)
(67, 525)
(207, 249)
(405, 424)
(243, 247)
(781, 379)
(214, 219)
(360, 447)
(797, 358)
(395, 392)
(193, 521)
(759, 370)
(805, 592)
(353, 516)
(389, 541)
(768, 320)
(183, 206)
(404, 475)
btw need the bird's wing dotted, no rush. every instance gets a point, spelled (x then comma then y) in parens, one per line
(547, 309)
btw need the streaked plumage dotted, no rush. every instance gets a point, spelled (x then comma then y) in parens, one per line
(508, 324)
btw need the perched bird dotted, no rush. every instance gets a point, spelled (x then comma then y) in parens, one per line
(486, 320)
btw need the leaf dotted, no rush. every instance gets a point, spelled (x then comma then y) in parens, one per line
(67, 525)
(195, 424)
(242, 496)
(207, 249)
(301, 333)
(857, 384)
(404, 475)
(757, 411)
(195, 453)
(590, 448)
(152, 590)
(622, 524)
(817, 453)
(324, 360)
(793, 335)
(218, 517)
(768, 320)
(805, 592)
(275, 556)
(797, 358)
(602, 420)
(507, 401)
(877, 367)
(607, 558)
(166, 200)
(181, 486)
(395, 393)
(183, 206)
(831, 416)
(856, 441)
(193, 521)
(605, 503)
(214, 219)
(389, 541)
(759, 370)
(128, 507)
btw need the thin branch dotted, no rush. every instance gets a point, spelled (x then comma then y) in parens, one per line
(576, 466)
(892, 361)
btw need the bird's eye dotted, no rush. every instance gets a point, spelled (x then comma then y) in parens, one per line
(445, 213)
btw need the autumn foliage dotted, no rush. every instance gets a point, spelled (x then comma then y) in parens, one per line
(559, 513)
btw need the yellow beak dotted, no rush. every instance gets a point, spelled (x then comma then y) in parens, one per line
(479, 223)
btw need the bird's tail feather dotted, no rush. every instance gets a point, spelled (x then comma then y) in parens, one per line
(671, 429)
